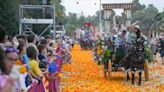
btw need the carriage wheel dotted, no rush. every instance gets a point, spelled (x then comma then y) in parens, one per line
(109, 69)
(146, 70)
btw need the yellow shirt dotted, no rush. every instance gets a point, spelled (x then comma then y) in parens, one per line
(34, 65)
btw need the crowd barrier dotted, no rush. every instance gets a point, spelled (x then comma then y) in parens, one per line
(34, 87)
(45, 85)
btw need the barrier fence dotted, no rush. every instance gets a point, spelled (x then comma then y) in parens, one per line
(45, 85)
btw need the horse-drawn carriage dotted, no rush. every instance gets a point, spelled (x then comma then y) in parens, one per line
(131, 58)
(86, 43)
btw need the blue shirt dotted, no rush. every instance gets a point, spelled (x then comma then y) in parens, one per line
(26, 61)
(41, 57)
(118, 41)
(52, 68)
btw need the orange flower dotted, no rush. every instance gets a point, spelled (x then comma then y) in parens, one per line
(23, 69)
(18, 62)
(84, 75)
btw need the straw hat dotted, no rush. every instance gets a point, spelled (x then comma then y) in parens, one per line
(137, 26)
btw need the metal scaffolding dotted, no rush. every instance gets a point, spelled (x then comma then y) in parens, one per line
(26, 23)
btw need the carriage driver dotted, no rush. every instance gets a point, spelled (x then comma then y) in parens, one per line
(133, 34)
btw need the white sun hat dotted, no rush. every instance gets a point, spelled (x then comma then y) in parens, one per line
(137, 26)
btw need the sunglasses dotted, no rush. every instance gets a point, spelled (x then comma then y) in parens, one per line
(11, 50)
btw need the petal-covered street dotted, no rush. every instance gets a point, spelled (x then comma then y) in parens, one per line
(84, 75)
(81, 46)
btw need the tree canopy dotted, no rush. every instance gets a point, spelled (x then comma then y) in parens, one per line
(9, 15)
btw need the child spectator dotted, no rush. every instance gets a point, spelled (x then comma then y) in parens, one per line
(42, 52)
(23, 62)
(23, 44)
(52, 69)
(42, 56)
(22, 51)
(22, 39)
(34, 64)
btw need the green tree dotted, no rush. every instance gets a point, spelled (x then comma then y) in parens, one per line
(150, 13)
(144, 15)
(60, 11)
(9, 15)
(162, 14)
(71, 23)
(151, 10)
(137, 6)
(82, 20)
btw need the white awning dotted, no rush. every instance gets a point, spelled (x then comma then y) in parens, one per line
(37, 21)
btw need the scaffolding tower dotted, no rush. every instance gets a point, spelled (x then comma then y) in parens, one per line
(25, 24)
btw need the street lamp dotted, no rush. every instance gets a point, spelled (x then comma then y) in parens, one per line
(100, 20)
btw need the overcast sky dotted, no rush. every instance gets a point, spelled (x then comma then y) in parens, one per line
(89, 7)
